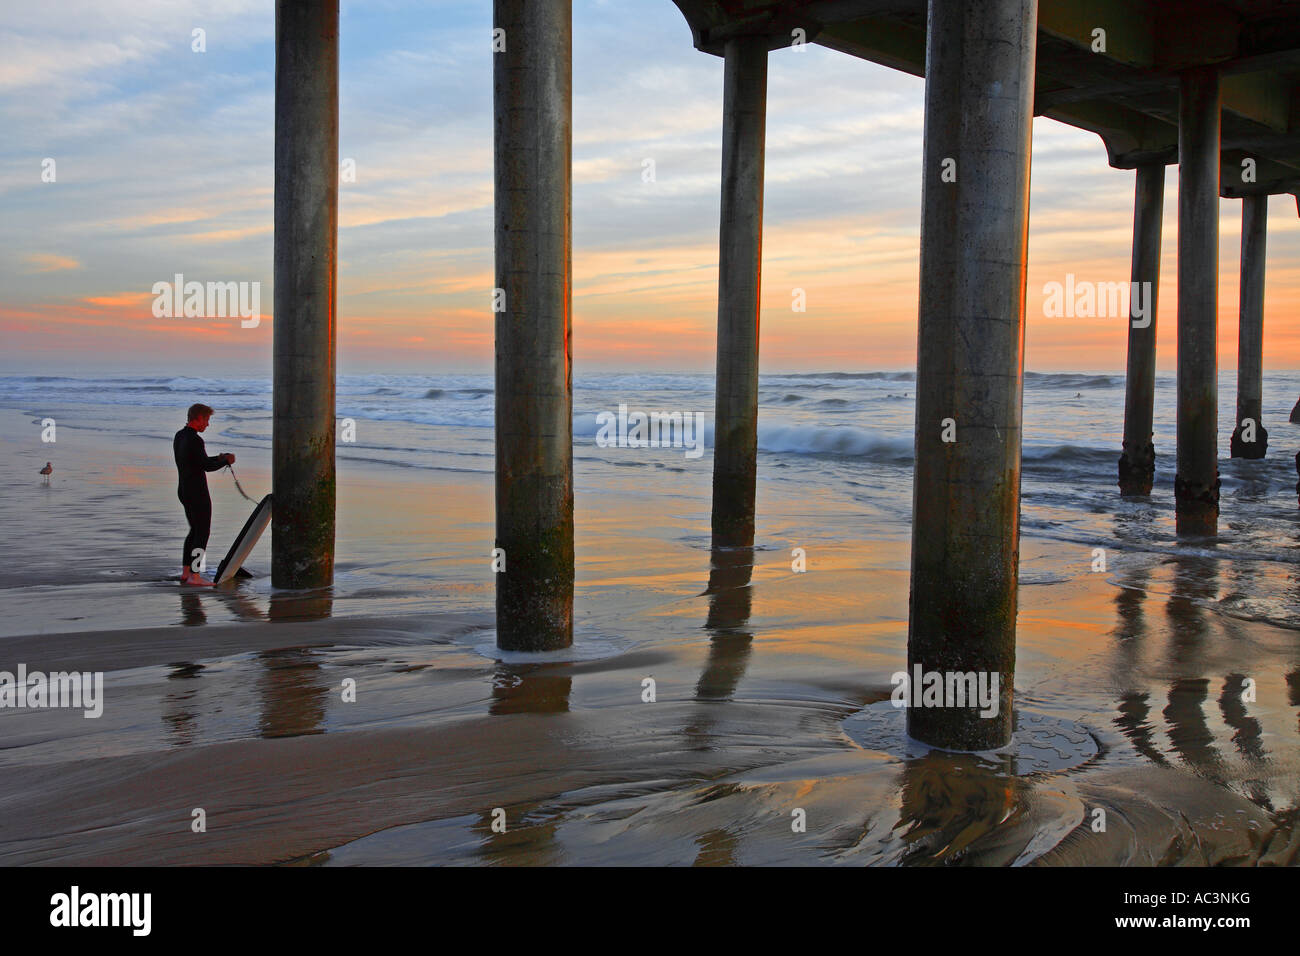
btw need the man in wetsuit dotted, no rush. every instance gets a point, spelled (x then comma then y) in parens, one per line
(193, 463)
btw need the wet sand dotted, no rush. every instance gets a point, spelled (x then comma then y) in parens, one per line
(233, 702)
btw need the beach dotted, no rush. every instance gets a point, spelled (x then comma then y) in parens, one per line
(1161, 688)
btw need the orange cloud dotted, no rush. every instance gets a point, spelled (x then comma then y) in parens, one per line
(49, 262)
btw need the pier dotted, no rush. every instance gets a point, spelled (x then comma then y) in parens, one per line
(1208, 85)
(533, 93)
(306, 292)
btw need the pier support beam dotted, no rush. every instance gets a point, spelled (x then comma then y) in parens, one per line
(1196, 487)
(533, 97)
(306, 241)
(970, 360)
(1250, 438)
(740, 259)
(1137, 465)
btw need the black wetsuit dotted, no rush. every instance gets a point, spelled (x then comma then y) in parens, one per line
(193, 463)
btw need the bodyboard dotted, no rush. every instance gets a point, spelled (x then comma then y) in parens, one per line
(245, 541)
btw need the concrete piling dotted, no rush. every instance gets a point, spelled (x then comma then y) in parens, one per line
(1196, 487)
(1250, 438)
(740, 258)
(533, 93)
(306, 238)
(970, 360)
(1137, 464)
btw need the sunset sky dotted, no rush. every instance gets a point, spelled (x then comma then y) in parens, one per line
(164, 165)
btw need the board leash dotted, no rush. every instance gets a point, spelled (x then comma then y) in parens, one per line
(238, 485)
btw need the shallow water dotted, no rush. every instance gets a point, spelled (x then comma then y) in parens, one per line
(762, 675)
(843, 436)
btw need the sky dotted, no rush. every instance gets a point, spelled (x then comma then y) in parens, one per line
(163, 165)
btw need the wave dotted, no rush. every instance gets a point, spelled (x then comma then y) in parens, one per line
(1069, 453)
(472, 392)
(841, 440)
(855, 376)
(421, 465)
(477, 417)
(844, 441)
(892, 447)
(1072, 380)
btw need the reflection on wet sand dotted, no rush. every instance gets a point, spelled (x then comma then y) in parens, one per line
(1249, 731)
(292, 688)
(1247, 737)
(949, 802)
(1192, 763)
(730, 597)
(1133, 581)
(178, 713)
(1201, 657)
(717, 848)
(747, 729)
(1195, 585)
(192, 613)
(301, 605)
(517, 835)
(242, 605)
(529, 689)
(1189, 734)
(294, 693)
(1133, 722)
(730, 601)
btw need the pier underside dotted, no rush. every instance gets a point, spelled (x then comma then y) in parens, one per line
(1122, 85)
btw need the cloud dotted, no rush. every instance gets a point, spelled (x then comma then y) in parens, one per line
(119, 299)
(166, 164)
(48, 262)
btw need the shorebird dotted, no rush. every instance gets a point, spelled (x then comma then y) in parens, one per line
(47, 471)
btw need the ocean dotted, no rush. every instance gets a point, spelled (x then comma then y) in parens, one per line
(845, 436)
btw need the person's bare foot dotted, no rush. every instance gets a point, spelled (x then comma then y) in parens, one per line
(193, 577)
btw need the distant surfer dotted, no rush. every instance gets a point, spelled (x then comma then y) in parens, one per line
(192, 464)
